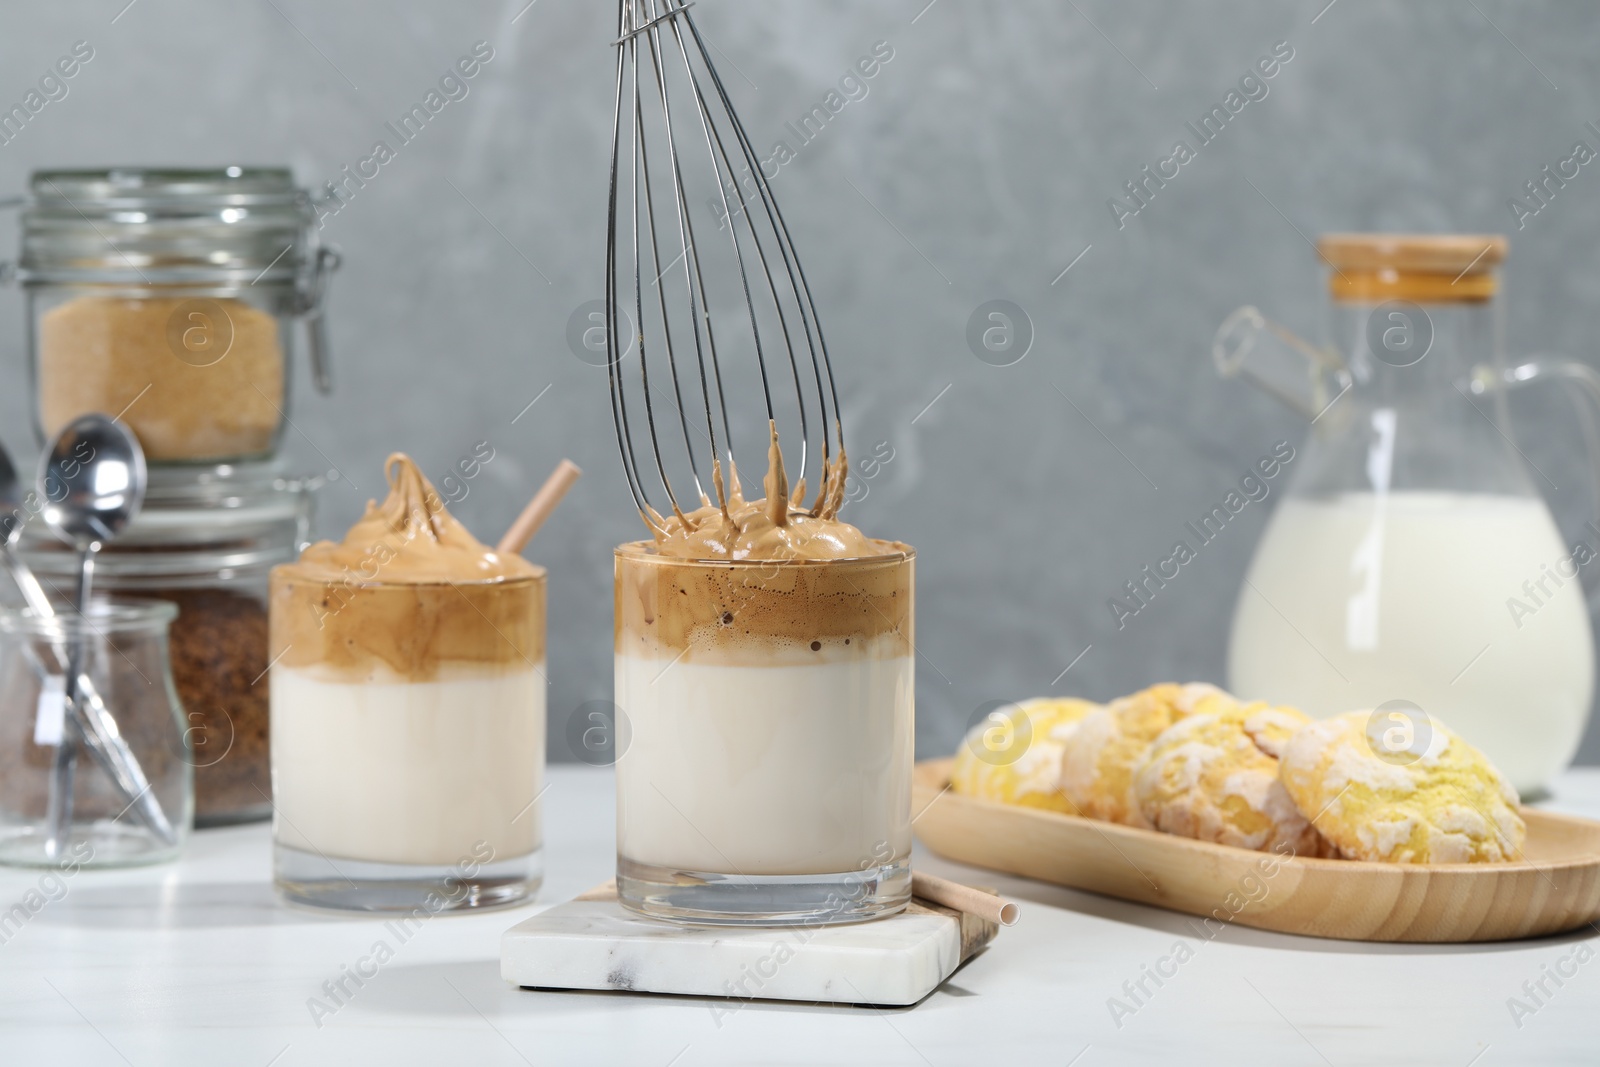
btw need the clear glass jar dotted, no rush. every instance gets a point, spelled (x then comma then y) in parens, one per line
(126, 668)
(764, 735)
(206, 543)
(168, 296)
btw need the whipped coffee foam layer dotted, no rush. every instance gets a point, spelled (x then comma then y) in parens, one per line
(748, 532)
(408, 595)
(776, 527)
(410, 537)
(764, 613)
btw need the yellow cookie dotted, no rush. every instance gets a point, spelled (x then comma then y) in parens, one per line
(1436, 799)
(995, 761)
(1107, 749)
(1213, 776)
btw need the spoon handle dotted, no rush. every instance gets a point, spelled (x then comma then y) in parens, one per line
(110, 750)
(85, 580)
(59, 810)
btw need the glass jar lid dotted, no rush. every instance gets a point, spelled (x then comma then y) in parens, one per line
(228, 518)
(231, 226)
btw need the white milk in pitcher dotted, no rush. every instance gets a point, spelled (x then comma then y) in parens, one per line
(1467, 605)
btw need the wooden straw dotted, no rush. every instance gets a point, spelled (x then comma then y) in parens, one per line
(964, 898)
(539, 508)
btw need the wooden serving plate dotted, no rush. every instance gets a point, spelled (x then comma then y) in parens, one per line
(1556, 888)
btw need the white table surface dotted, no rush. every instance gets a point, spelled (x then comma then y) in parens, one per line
(197, 963)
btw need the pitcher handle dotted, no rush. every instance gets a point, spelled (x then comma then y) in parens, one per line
(1585, 400)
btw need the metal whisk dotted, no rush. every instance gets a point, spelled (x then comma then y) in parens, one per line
(701, 294)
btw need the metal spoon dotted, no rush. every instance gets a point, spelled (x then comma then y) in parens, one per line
(13, 517)
(94, 719)
(93, 481)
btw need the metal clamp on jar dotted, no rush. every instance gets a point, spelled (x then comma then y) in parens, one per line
(165, 297)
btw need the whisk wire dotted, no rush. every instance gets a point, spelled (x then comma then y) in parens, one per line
(638, 288)
(690, 270)
(614, 346)
(807, 307)
(643, 158)
(644, 21)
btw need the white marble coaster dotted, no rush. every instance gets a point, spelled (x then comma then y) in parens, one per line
(592, 943)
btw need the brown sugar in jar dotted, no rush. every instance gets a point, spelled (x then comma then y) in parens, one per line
(174, 299)
(198, 379)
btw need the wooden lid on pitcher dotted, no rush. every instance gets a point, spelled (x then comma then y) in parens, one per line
(1432, 268)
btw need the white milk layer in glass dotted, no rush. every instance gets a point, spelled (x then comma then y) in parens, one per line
(1464, 604)
(765, 770)
(408, 772)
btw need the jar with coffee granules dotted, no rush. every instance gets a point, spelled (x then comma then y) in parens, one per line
(218, 645)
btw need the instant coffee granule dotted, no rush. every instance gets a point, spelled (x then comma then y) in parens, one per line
(196, 379)
(218, 647)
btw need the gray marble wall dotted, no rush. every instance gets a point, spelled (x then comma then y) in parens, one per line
(977, 167)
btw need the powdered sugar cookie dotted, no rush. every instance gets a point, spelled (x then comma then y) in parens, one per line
(1109, 746)
(1213, 776)
(1440, 801)
(994, 763)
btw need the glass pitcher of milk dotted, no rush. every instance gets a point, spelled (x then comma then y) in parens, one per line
(1412, 557)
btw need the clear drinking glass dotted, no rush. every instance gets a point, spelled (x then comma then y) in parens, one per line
(408, 734)
(764, 737)
(127, 668)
